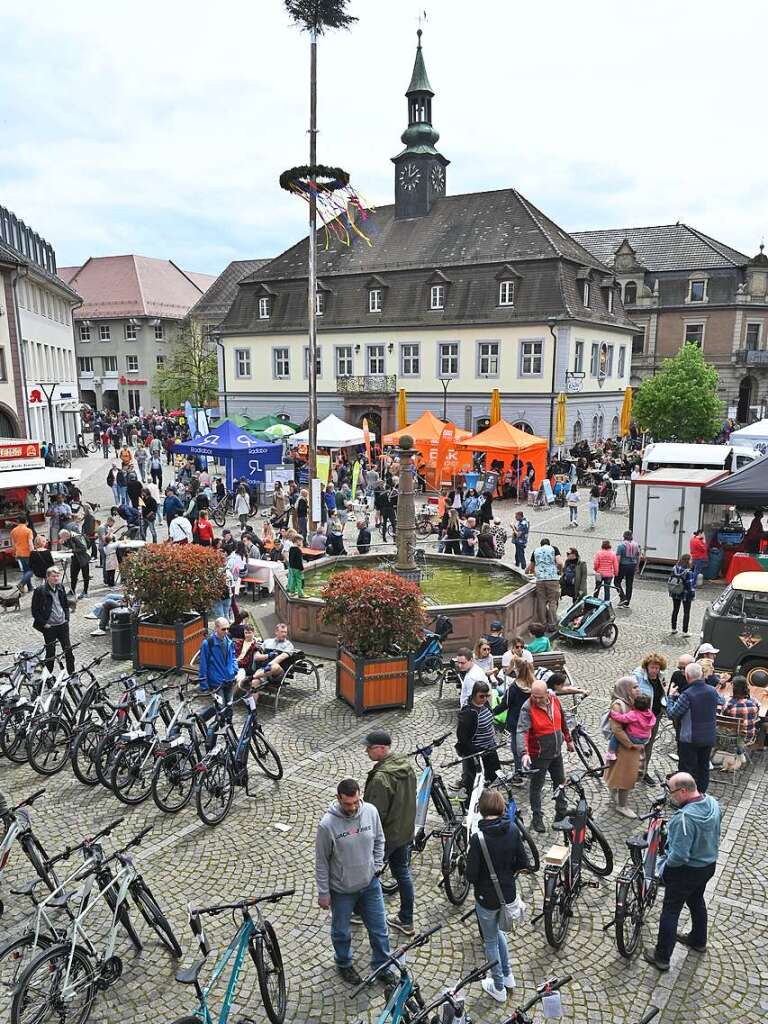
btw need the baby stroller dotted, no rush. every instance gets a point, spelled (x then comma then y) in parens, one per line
(590, 620)
(428, 659)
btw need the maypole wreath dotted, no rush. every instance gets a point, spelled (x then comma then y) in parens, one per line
(339, 205)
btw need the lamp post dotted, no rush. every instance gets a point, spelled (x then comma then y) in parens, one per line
(48, 387)
(445, 381)
(551, 324)
(216, 339)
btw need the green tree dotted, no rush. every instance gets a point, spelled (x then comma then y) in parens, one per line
(191, 371)
(680, 403)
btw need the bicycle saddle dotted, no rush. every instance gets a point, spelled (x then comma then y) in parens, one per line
(28, 890)
(639, 842)
(189, 975)
(563, 825)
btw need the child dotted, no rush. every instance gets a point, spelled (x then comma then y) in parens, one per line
(540, 643)
(573, 505)
(295, 565)
(638, 724)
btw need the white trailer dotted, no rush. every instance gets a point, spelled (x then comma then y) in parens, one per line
(665, 510)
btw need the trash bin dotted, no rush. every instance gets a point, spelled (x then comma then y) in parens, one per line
(120, 622)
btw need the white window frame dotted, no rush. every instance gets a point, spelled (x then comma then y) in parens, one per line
(578, 356)
(437, 296)
(319, 303)
(131, 332)
(318, 360)
(159, 332)
(627, 301)
(507, 293)
(85, 332)
(134, 400)
(379, 354)
(622, 361)
(578, 431)
(609, 299)
(585, 294)
(694, 323)
(759, 325)
(281, 354)
(609, 360)
(594, 360)
(374, 300)
(112, 361)
(85, 364)
(265, 307)
(615, 426)
(485, 354)
(410, 353)
(448, 353)
(131, 364)
(705, 293)
(242, 359)
(531, 353)
(159, 362)
(105, 332)
(344, 356)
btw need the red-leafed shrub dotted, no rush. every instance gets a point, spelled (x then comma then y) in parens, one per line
(374, 610)
(172, 580)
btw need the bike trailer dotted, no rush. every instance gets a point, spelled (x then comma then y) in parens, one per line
(589, 620)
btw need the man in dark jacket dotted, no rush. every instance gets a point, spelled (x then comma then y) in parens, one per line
(81, 559)
(391, 788)
(134, 488)
(507, 855)
(696, 711)
(50, 616)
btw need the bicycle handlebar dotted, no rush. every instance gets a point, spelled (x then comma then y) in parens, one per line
(449, 996)
(432, 743)
(29, 800)
(469, 757)
(420, 940)
(552, 985)
(134, 842)
(219, 908)
(67, 852)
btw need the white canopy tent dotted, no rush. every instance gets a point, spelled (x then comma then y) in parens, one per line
(332, 433)
(36, 477)
(753, 436)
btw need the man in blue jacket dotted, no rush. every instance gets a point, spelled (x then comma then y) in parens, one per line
(696, 711)
(693, 842)
(218, 668)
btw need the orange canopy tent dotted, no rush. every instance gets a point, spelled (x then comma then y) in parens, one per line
(425, 432)
(503, 442)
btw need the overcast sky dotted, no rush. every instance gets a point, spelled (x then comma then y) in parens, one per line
(161, 127)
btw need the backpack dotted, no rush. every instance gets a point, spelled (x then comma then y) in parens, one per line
(675, 585)
(605, 725)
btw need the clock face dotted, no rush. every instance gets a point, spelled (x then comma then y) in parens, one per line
(410, 176)
(438, 178)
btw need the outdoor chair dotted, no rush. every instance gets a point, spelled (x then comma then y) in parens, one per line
(730, 741)
(298, 664)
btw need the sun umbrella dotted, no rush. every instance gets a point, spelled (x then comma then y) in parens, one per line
(278, 431)
(495, 410)
(626, 412)
(402, 409)
(560, 422)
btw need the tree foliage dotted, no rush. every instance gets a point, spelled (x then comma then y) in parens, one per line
(680, 403)
(319, 15)
(373, 610)
(172, 580)
(190, 372)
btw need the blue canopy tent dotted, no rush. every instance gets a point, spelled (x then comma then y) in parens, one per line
(241, 454)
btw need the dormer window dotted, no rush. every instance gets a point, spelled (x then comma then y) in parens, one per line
(319, 303)
(630, 293)
(374, 300)
(506, 293)
(437, 296)
(697, 290)
(585, 293)
(265, 307)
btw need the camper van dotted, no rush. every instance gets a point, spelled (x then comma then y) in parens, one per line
(725, 457)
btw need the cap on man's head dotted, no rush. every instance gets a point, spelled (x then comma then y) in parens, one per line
(378, 738)
(707, 649)
(496, 624)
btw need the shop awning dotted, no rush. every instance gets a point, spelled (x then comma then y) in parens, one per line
(748, 488)
(36, 477)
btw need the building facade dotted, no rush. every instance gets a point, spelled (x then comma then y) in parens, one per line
(133, 307)
(455, 296)
(680, 285)
(37, 358)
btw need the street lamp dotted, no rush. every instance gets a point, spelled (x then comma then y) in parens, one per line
(216, 339)
(551, 324)
(445, 381)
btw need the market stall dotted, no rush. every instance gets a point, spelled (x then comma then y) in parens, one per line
(241, 454)
(502, 444)
(426, 432)
(753, 436)
(333, 434)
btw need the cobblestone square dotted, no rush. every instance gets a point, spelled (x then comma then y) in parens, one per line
(267, 843)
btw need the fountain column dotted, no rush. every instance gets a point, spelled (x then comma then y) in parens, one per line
(405, 563)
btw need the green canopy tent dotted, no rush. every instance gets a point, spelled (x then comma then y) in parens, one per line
(269, 421)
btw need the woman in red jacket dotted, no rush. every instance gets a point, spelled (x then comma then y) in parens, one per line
(606, 566)
(699, 552)
(203, 529)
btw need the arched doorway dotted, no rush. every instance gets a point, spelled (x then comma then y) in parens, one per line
(745, 400)
(9, 423)
(374, 422)
(110, 401)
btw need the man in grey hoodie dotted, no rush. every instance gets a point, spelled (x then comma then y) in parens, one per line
(349, 852)
(693, 843)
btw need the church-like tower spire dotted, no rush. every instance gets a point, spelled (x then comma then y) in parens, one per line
(419, 168)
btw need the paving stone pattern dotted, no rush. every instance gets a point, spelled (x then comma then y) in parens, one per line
(320, 742)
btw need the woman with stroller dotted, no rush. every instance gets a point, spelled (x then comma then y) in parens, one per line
(573, 582)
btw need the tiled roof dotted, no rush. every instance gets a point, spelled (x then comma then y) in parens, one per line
(8, 254)
(469, 229)
(122, 286)
(663, 247)
(215, 303)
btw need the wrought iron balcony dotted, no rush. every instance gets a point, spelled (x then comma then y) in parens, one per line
(752, 357)
(372, 384)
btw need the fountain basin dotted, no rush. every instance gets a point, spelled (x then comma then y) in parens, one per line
(472, 592)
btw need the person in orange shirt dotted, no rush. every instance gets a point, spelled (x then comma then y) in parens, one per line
(21, 538)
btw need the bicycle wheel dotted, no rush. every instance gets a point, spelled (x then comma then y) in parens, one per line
(123, 916)
(219, 515)
(454, 866)
(215, 790)
(153, 915)
(15, 956)
(38, 997)
(83, 753)
(13, 734)
(596, 852)
(265, 951)
(173, 779)
(48, 744)
(37, 858)
(387, 882)
(530, 846)
(430, 670)
(628, 920)
(609, 635)
(103, 756)
(587, 750)
(265, 755)
(131, 776)
(557, 915)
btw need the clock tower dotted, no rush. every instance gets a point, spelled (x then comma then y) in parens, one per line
(419, 169)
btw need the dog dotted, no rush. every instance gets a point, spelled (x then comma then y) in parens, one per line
(12, 602)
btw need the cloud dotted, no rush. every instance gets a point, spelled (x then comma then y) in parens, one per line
(161, 128)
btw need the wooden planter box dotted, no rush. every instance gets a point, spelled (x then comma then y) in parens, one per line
(373, 684)
(157, 645)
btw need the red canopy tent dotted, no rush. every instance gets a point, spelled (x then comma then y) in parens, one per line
(503, 442)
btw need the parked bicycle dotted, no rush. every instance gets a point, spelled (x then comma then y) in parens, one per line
(587, 750)
(404, 999)
(584, 845)
(18, 829)
(638, 883)
(255, 937)
(547, 988)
